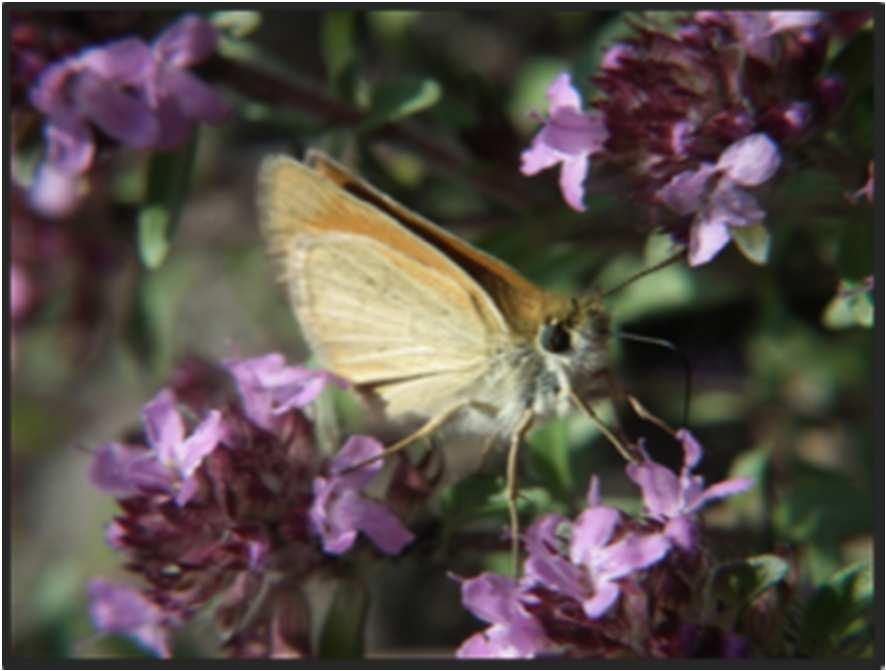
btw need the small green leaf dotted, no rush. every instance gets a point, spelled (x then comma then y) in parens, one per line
(345, 624)
(740, 583)
(839, 613)
(153, 229)
(169, 180)
(852, 306)
(236, 23)
(396, 100)
(753, 242)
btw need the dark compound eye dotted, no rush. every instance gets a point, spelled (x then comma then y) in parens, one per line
(555, 338)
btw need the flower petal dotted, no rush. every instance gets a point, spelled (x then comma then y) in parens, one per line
(706, 239)
(164, 426)
(561, 94)
(605, 595)
(356, 450)
(792, 20)
(123, 470)
(122, 116)
(691, 449)
(189, 40)
(126, 61)
(196, 99)
(684, 192)
(591, 531)
(122, 609)
(538, 157)
(491, 597)
(545, 564)
(632, 553)
(205, 438)
(751, 160)
(383, 527)
(720, 491)
(572, 177)
(660, 487)
(54, 193)
(70, 145)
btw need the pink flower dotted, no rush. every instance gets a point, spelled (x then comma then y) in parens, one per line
(339, 510)
(714, 193)
(569, 137)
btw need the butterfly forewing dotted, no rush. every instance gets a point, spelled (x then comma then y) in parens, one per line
(367, 309)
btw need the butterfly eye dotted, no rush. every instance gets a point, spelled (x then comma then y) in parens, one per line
(555, 338)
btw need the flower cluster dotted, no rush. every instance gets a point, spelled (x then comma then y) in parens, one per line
(139, 95)
(230, 499)
(608, 585)
(698, 117)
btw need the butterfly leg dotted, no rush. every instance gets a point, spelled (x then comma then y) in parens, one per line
(517, 436)
(622, 446)
(427, 428)
(645, 414)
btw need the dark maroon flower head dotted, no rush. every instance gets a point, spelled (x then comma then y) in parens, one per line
(675, 110)
(608, 585)
(227, 495)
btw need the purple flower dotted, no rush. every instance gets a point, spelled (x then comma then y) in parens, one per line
(674, 500)
(138, 95)
(514, 632)
(121, 609)
(606, 584)
(339, 510)
(124, 469)
(269, 387)
(756, 30)
(713, 193)
(569, 137)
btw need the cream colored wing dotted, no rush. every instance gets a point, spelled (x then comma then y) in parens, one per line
(372, 314)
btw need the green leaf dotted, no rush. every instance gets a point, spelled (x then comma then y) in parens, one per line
(236, 23)
(472, 498)
(852, 306)
(151, 321)
(837, 619)
(740, 583)
(393, 101)
(753, 242)
(169, 180)
(339, 42)
(153, 231)
(344, 628)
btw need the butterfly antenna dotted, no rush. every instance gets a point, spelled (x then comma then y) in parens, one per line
(667, 344)
(646, 271)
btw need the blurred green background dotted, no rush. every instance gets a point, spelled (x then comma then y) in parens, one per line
(434, 108)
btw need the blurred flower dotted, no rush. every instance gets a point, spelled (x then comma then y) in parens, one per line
(569, 137)
(608, 585)
(339, 510)
(121, 609)
(269, 387)
(699, 117)
(514, 632)
(138, 95)
(223, 497)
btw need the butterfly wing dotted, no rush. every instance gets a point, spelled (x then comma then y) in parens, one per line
(378, 305)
